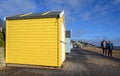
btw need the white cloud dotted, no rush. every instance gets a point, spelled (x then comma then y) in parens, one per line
(115, 1)
(86, 16)
(75, 4)
(97, 8)
(116, 42)
(71, 7)
(11, 7)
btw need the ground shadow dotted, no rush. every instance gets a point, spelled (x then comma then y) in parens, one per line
(98, 54)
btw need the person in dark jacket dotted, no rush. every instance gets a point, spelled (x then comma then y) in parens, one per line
(104, 46)
(110, 48)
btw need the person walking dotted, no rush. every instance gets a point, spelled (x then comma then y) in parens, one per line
(110, 48)
(104, 47)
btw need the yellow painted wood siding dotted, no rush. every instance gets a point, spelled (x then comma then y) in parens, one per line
(32, 41)
(60, 49)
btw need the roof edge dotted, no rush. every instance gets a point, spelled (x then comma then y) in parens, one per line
(62, 13)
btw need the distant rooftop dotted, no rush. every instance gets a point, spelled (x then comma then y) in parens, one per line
(68, 34)
(35, 15)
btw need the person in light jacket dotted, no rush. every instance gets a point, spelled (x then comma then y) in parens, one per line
(104, 47)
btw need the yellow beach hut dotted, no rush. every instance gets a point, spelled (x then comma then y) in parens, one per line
(36, 39)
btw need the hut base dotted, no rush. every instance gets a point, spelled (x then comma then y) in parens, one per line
(32, 66)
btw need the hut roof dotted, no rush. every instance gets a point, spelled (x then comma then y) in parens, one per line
(35, 15)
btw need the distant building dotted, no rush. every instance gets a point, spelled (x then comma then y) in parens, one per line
(68, 42)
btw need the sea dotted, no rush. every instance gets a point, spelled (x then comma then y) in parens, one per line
(117, 47)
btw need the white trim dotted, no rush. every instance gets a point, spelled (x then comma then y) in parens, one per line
(63, 40)
(4, 18)
(45, 13)
(25, 14)
(61, 14)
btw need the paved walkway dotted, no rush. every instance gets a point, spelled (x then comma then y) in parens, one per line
(78, 63)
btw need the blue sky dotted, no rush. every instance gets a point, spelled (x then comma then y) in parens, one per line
(88, 20)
